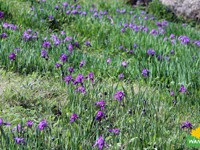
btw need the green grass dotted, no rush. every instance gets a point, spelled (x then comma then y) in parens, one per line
(32, 88)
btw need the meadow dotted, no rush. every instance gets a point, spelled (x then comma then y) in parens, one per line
(95, 75)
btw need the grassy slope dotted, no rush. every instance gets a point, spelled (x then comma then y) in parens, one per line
(34, 97)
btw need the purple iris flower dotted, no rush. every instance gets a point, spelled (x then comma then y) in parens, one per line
(62, 33)
(172, 51)
(2, 123)
(68, 38)
(123, 30)
(4, 35)
(79, 79)
(12, 56)
(100, 143)
(151, 52)
(183, 89)
(145, 29)
(68, 12)
(76, 44)
(125, 25)
(99, 115)
(81, 89)
(115, 130)
(70, 47)
(73, 117)
(154, 32)
(159, 57)
(19, 140)
(68, 79)
(119, 95)
(121, 76)
(172, 93)
(50, 17)
(17, 128)
(43, 124)
(63, 57)
(46, 44)
(87, 43)
(84, 13)
(101, 104)
(29, 123)
(82, 63)
(197, 43)
(74, 12)
(58, 65)
(65, 4)
(135, 45)
(9, 26)
(184, 39)
(1, 14)
(124, 63)
(71, 70)
(44, 54)
(145, 72)
(108, 60)
(159, 24)
(172, 36)
(96, 14)
(186, 124)
(91, 76)
(56, 7)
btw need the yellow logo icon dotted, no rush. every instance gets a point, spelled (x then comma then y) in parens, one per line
(196, 132)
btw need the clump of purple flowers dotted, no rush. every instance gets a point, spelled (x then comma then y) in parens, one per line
(151, 52)
(184, 39)
(30, 35)
(79, 79)
(119, 95)
(9, 26)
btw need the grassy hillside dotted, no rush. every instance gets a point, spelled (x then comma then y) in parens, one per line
(93, 75)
